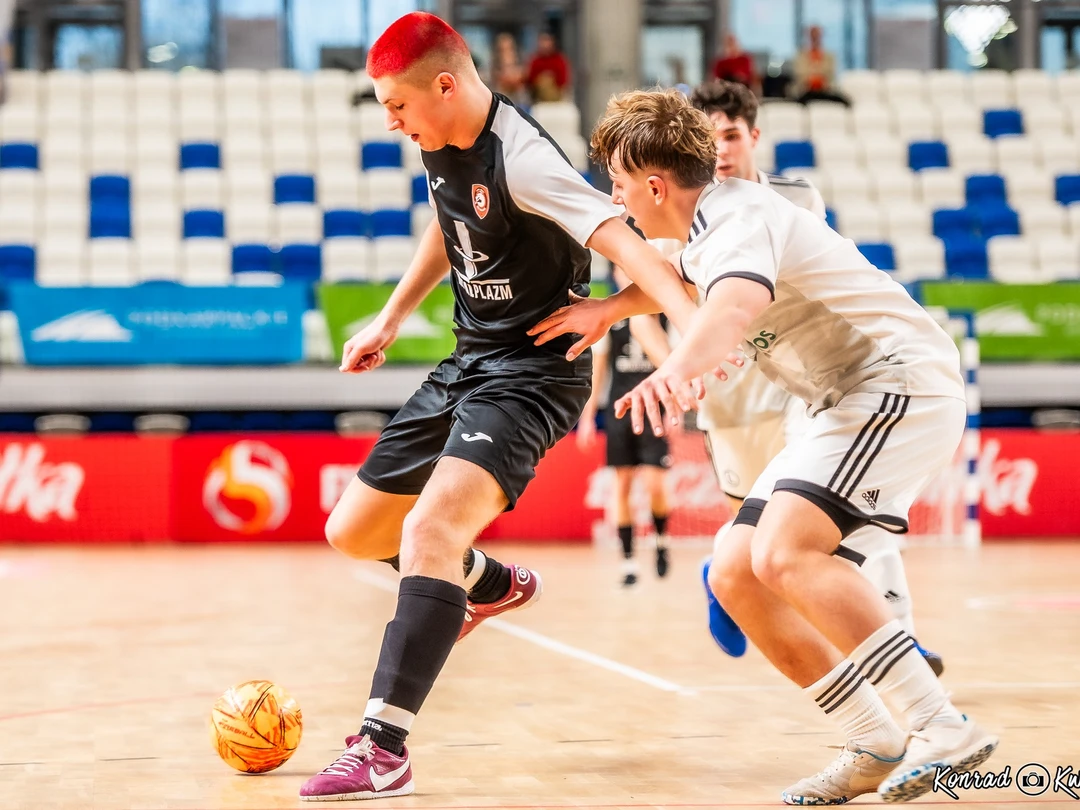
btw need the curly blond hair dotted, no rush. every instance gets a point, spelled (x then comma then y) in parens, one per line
(657, 129)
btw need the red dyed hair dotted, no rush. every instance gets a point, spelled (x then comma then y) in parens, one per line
(412, 39)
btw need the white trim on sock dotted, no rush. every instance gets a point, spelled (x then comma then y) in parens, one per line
(479, 565)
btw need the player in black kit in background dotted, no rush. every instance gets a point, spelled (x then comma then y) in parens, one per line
(514, 224)
(630, 353)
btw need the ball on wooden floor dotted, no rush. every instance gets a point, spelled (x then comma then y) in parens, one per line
(255, 726)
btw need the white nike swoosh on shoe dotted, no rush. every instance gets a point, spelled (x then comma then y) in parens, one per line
(517, 595)
(381, 781)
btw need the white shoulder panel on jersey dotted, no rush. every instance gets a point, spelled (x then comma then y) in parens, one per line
(542, 182)
(796, 189)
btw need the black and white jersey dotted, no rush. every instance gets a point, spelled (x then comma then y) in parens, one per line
(627, 361)
(515, 216)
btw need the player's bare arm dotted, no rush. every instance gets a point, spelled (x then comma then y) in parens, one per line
(365, 350)
(715, 332)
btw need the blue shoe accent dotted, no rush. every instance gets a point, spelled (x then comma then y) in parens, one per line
(724, 631)
(932, 658)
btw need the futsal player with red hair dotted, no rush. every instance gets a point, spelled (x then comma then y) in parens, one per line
(514, 226)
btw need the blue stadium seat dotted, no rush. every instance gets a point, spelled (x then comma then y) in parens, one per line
(1002, 122)
(879, 254)
(110, 218)
(294, 188)
(16, 423)
(110, 187)
(17, 263)
(980, 189)
(391, 223)
(380, 155)
(112, 422)
(420, 190)
(830, 218)
(18, 156)
(1067, 189)
(927, 155)
(341, 222)
(204, 223)
(200, 156)
(996, 219)
(252, 259)
(954, 222)
(309, 420)
(262, 420)
(794, 155)
(301, 262)
(206, 421)
(965, 256)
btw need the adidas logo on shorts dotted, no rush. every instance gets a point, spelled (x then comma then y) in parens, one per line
(871, 497)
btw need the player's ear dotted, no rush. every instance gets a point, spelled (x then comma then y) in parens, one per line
(755, 133)
(657, 188)
(445, 84)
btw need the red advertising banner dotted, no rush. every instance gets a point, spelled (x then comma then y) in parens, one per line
(99, 489)
(281, 487)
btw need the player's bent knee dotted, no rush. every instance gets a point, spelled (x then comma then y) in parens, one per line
(773, 565)
(429, 537)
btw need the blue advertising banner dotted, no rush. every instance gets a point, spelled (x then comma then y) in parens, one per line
(160, 323)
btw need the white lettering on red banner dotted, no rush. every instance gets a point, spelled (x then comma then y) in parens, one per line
(40, 489)
(1006, 483)
(333, 481)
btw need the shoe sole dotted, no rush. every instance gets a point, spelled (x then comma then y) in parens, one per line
(935, 662)
(522, 606)
(809, 801)
(404, 790)
(730, 627)
(920, 781)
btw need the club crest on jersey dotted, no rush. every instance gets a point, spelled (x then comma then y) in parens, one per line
(480, 200)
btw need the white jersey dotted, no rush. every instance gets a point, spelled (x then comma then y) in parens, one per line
(747, 397)
(837, 323)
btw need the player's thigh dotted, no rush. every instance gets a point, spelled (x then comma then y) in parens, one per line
(403, 458)
(458, 502)
(866, 459)
(507, 426)
(366, 522)
(740, 454)
(731, 569)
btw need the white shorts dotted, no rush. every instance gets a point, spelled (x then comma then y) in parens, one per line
(866, 459)
(741, 453)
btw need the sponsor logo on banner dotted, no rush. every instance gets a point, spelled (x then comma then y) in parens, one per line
(85, 326)
(40, 489)
(1006, 483)
(253, 474)
(334, 479)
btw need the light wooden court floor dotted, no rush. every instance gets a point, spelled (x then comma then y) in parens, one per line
(598, 697)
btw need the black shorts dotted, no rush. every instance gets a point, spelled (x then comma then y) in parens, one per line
(628, 449)
(503, 421)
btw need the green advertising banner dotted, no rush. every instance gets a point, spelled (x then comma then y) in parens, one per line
(426, 336)
(1016, 321)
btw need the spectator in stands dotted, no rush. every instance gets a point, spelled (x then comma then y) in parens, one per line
(736, 65)
(507, 71)
(549, 70)
(815, 72)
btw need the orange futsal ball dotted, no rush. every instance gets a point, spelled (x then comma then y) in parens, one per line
(256, 726)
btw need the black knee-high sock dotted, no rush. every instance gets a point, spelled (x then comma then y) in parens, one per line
(660, 522)
(415, 646)
(626, 537)
(393, 562)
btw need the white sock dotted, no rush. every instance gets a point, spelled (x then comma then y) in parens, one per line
(884, 567)
(889, 660)
(848, 698)
(479, 564)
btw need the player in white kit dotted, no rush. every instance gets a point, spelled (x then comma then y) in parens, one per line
(882, 384)
(747, 419)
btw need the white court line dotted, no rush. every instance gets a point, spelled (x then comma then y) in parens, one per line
(548, 643)
(974, 686)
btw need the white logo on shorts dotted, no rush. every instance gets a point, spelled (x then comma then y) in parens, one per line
(476, 437)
